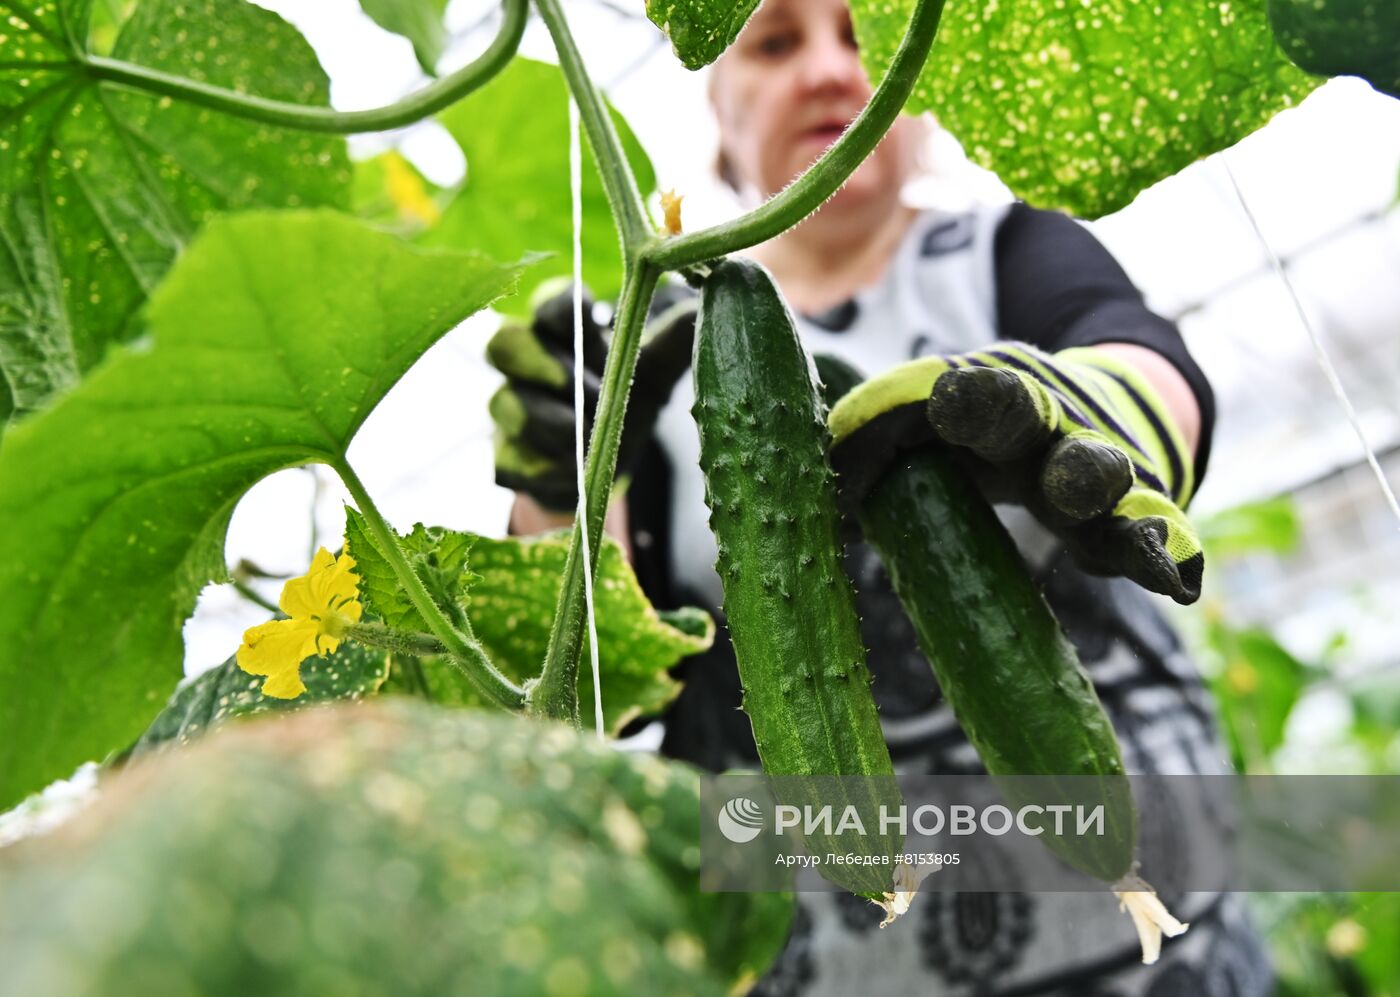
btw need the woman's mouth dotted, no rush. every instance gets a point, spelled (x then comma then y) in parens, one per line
(824, 134)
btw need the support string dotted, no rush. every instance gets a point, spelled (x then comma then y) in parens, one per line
(576, 193)
(1319, 351)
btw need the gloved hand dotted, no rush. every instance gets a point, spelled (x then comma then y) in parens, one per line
(534, 409)
(1078, 437)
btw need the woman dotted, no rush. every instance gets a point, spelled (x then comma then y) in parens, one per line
(881, 285)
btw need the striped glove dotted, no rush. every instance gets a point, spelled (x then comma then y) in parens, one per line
(1079, 438)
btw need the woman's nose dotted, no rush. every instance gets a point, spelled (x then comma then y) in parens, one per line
(832, 63)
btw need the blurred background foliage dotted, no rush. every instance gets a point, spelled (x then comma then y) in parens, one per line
(1329, 708)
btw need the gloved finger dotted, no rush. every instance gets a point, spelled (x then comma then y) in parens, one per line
(551, 483)
(537, 419)
(866, 455)
(554, 490)
(517, 353)
(905, 386)
(548, 424)
(876, 420)
(554, 325)
(995, 412)
(1147, 539)
(1084, 475)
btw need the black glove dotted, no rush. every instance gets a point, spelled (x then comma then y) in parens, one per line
(534, 409)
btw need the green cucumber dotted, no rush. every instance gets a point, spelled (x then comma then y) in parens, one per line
(388, 847)
(1007, 670)
(790, 607)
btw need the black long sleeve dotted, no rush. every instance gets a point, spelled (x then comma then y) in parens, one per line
(1057, 287)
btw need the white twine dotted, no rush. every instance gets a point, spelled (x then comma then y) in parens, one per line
(576, 187)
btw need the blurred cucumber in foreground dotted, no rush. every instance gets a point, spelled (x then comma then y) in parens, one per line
(382, 849)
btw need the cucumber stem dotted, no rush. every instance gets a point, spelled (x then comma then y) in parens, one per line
(463, 649)
(825, 177)
(378, 635)
(415, 107)
(624, 197)
(554, 694)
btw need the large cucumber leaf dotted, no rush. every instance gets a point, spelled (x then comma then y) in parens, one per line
(510, 588)
(700, 30)
(384, 848)
(270, 342)
(1342, 38)
(102, 185)
(514, 132)
(226, 691)
(420, 21)
(1082, 105)
(513, 607)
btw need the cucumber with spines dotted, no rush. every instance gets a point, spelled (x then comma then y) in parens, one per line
(1007, 670)
(789, 605)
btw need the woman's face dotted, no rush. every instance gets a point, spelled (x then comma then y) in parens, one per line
(785, 91)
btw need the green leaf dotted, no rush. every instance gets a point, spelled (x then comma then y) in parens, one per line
(439, 557)
(227, 691)
(515, 134)
(514, 589)
(513, 607)
(101, 186)
(420, 21)
(270, 342)
(1082, 105)
(1342, 38)
(1270, 525)
(392, 193)
(700, 30)
(1255, 691)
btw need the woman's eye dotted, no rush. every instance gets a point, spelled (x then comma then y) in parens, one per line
(777, 43)
(848, 35)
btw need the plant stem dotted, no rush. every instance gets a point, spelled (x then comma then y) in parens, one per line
(555, 693)
(378, 635)
(625, 199)
(252, 595)
(825, 177)
(462, 649)
(414, 107)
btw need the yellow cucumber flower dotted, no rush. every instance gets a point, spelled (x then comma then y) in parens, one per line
(321, 603)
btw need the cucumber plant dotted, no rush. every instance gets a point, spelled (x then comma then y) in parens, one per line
(192, 297)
